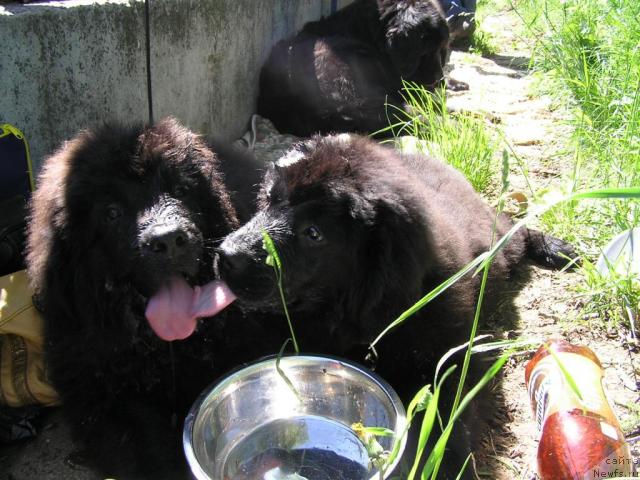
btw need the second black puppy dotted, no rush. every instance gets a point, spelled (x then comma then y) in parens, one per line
(338, 73)
(363, 233)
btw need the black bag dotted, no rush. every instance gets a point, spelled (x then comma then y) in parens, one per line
(16, 185)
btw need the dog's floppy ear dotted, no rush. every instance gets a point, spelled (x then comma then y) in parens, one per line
(47, 217)
(274, 183)
(404, 55)
(393, 258)
(359, 206)
(274, 187)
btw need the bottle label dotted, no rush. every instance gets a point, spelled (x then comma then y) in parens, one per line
(549, 391)
(541, 396)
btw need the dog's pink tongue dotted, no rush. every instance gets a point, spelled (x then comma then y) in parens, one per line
(174, 311)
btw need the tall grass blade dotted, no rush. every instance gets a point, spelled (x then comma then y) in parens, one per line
(430, 296)
(453, 351)
(464, 467)
(283, 375)
(437, 453)
(428, 421)
(273, 259)
(485, 258)
(418, 403)
(565, 372)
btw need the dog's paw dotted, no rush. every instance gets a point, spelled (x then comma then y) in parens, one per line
(457, 85)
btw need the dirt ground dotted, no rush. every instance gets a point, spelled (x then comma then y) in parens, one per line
(500, 91)
(548, 307)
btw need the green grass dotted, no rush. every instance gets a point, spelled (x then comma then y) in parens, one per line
(609, 297)
(590, 50)
(273, 260)
(461, 139)
(482, 42)
(632, 422)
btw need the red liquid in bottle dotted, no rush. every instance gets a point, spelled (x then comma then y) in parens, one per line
(580, 439)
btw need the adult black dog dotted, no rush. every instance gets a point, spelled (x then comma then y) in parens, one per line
(363, 233)
(124, 223)
(338, 73)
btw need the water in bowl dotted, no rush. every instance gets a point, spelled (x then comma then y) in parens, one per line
(299, 448)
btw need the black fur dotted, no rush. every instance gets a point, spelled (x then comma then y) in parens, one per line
(337, 74)
(92, 265)
(363, 233)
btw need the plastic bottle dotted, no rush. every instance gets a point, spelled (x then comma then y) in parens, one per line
(579, 439)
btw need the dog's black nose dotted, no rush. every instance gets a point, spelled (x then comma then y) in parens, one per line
(233, 262)
(166, 240)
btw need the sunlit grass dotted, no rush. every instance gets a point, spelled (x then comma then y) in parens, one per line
(590, 50)
(460, 139)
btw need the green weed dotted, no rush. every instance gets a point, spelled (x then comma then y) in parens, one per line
(590, 49)
(460, 139)
(273, 260)
(611, 296)
(631, 423)
(483, 43)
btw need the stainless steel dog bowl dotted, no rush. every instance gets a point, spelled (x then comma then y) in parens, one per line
(253, 426)
(622, 254)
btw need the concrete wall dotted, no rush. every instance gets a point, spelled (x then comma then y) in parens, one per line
(70, 65)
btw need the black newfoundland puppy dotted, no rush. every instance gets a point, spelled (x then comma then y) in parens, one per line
(363, 233)
(124, 224)
(338, 73)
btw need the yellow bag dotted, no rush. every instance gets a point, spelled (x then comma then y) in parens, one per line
(23, 379)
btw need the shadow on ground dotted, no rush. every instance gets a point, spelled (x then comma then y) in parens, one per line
(519, 63)
(51, 455)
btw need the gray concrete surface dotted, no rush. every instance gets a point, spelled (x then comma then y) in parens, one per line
(68, 65)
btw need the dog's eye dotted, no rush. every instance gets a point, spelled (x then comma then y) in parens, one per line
(180, 191)
(314, 233)
(113, 212)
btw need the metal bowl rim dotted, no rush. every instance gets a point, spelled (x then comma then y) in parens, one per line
(216, 386)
